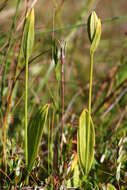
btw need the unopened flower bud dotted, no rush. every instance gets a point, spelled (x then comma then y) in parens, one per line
(94, 30)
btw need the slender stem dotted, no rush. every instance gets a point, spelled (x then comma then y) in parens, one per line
(26, 104)
(62, 98)
(4, 144)
(49, 134)
(90, 85)
(90, 94)
(26, 113)
(58, 117)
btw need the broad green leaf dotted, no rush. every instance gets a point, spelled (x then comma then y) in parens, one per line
(110, 187)
(28, 35)
(85, 156)
(35, 130)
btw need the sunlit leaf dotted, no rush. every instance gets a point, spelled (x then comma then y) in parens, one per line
(84, 140)
(35, 130)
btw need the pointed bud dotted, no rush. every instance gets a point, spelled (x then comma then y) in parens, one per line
(94, 31)
(28, 35)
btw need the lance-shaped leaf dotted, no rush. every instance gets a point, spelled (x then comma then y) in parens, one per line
(85, 143)
(28, 35)
(35, 130)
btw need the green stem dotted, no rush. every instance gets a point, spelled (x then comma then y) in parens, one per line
(26, 104)
(49, 144)
(90, 85)
(26, 120)
(90, 94)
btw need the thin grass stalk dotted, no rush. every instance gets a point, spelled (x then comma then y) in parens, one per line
(58, 116)
(68, 27)
(5, 123)
(8, 49)
(26, 117)
(49, 143)
(26, 110)
(4, 144)
(56, 13)
(9, 105)
(62, 59)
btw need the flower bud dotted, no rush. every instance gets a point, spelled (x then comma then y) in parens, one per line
(94, 31)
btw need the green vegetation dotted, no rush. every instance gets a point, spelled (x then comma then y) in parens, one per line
(63, 108)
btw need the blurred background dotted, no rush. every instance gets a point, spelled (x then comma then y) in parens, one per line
(57, 20)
